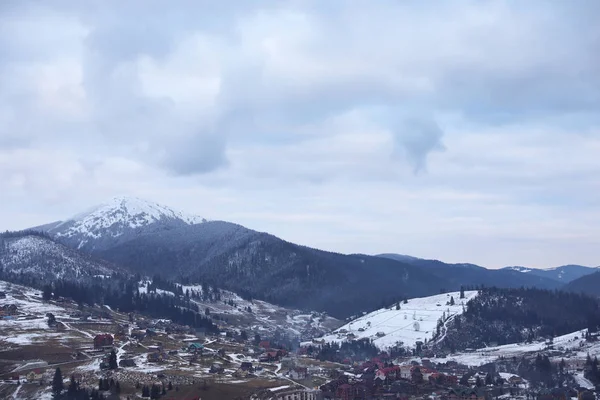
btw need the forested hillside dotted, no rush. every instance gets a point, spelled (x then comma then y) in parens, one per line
(589, 284)
(501, 316)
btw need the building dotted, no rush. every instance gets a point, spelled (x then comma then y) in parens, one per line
(195, 347)
(298, 394)
(36, 375)
(246, 366)
(103, 341)
(128, 362)
(156, 357)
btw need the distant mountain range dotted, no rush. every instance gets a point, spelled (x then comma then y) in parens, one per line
(147, 238)
(563, 274)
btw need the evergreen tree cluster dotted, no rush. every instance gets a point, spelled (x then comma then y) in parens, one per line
(517, 315)
(357, 349)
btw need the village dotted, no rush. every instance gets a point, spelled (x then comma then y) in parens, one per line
(136, 353)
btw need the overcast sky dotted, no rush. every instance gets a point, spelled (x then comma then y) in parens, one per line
(467, 131)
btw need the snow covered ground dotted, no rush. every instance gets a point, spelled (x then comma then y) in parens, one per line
(263, 317)
(414, 321)
(571, 344)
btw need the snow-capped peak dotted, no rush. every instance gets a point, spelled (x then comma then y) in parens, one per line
(118, 215)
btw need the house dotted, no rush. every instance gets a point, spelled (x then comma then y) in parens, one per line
(298, 373)
(515, 380)
(405, 371)
(128, 362)
(269, 356)
(297, 394)
(195, 347)
(36, 375)
(246, 366)
(9, 309)
(466, 394)
(216, 369)
(264, 345)
(156, 357)
(102, 341)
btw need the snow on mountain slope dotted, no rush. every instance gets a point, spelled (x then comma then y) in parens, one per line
(415, 321)
(573, 343)
(256, 315)
(119, 217)
(46, 259)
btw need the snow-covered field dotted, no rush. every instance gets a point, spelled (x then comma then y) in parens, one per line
(571, 343)
(414, 321)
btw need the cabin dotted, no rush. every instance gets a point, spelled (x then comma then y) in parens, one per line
(103, 341)
(9, 310)
(265, 344)
(515, 380)
(195, 347)
(156, 357)
(216, 369)
(269, 356)
(36, 375)
(128, 362)
(246, 366)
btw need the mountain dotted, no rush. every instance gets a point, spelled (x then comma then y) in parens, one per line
(588, 284)
(42, 258)
(117, 221)
(263, 266)
(466, 274)
(563, 274)
(149, 239)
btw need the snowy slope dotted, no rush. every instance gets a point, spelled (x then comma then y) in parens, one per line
(415, 321)
(265, 318)
(46, 259)
(571, 344)
(116, 220)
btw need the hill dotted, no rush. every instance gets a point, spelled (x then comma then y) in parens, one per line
(405, 323)
(265, 267)
(40, 257)
(502, 316)
(589, 284)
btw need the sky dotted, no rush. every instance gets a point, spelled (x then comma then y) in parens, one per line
(466, 131)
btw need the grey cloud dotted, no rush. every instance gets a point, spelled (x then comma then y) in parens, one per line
(196, 155)
(416, 138)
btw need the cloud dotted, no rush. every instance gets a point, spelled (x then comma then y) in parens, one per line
(416, 137)
(420, 125)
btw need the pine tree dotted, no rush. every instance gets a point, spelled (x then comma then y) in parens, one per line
(57, 383)
(73, 387)
(462, 292)
(170, 387)
(154, 392)
(145, 391)
(452, 300)
(112, 360)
